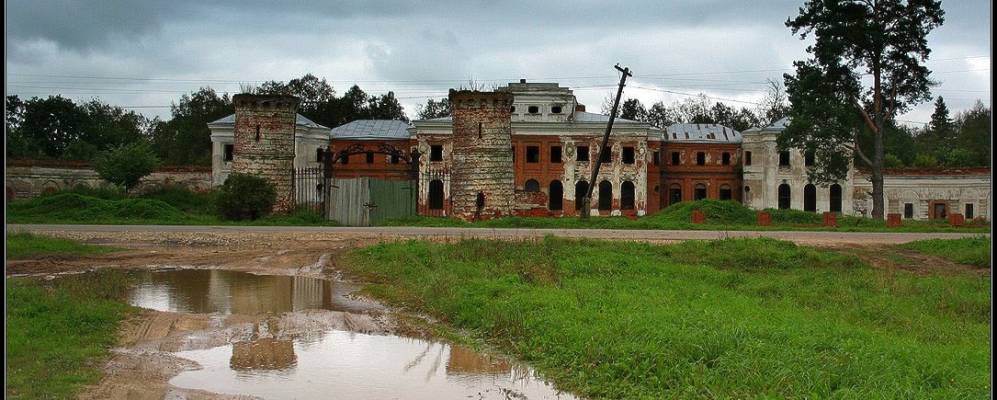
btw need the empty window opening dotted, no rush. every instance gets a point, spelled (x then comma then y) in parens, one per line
(479, 202)
(344, 159)
(675, 158)
(908, 210)
(747, 158)
(555, 110)
(555, 154)
(700, 192)
(436, 152)
(835, 194)
(627, 196)
(479, 129)
(656, 158)
(513, 109)
(513, 148)
(674, 194)
(532, 154)
(257, 132)
(394, 158)
(725, 158)
(784, 197)
(581, 188)
(533, 110)
(969, 211)
(725, 192)
(583, 153)
(701, 158)
(784, 158)
(628, 155)
(319, 152)
(808, 158)
(555, 200)
(605, 196)
(229, 152)
(436, 194)
(941, 210)
(532, 186)
(370, 157)
(810, 198)
(606, 155)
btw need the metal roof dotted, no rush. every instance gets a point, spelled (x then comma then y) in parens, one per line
(582, 116)
(301, 120)
(702, 133)
(372, 129)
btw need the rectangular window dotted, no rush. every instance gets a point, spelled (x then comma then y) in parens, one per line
(747, 158)
(533, 109)
(370, 157)
(725, 158)
(606, 155)
(701, 158)
(656, 158)
(583, 153)
(628, 155)
(318, 154)
(229, 152)
(675, 158)
(436, 152)
(555, 154)
(969, 211)
(532, 154)
(784, 158)
(394, 159)
(345, 159)
(908, 210)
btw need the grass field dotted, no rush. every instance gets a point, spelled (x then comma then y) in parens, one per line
(25, 245)
(744, 318)
(59, 331)
(972, 251)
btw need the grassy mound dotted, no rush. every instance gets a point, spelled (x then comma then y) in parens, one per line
(73, 207)
(971, 251)
(723, 212)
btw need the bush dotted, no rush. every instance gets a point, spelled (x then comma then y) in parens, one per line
(126, 165)
(181, 197)
(245, 197)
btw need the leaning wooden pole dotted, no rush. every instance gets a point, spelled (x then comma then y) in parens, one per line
(587, 199)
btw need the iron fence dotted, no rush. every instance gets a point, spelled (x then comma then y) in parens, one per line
(310, 188)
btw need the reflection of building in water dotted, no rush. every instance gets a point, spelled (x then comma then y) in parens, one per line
(311, 293)
(464, 361)
(207, 291)
(264, 353)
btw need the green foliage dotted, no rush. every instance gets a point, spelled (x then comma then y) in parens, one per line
(68, 207)
(924, 160)
(434, 109)
(59, 332)
(725, 319)
(245, 197)
(183, 198)
(126, 165)
(972, 251)
(26, 245)
(185, 139)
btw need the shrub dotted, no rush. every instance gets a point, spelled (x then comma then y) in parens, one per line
(245, 197)
(126, 165)
(181, 197)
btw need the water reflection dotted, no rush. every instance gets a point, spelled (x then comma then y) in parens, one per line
(228, 292)
(348, 365)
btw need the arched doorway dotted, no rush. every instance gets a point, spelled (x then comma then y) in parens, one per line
(725, 192)
(627, 195)
(555, 200)
(580, 188)
(435, 194)
(605, 196)
(784, 197)
(700, 192)
(674, 194)
(810, 198)
(835, 198)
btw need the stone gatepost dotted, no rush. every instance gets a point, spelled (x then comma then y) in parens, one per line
(482, 182)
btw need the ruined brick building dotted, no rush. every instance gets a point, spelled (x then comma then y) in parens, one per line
(528, 148)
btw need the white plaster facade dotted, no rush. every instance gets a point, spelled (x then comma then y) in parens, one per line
(914, 194)
(309, 137)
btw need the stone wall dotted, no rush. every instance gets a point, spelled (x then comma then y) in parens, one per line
(30, 178)
(264, 142)
(482, 154)
(927, 191)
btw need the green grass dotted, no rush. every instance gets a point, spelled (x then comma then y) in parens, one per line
(59, 332)
(25, 245)
(720, 215)
(972, 251)
(744, 318)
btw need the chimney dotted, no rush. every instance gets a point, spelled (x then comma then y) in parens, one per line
(522, 80)
(580, 107)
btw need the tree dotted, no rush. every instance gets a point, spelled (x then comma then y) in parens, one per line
(940, 135)
(660, 115)
(126, 165)
(974, 134)
(48, 126)
(185, 138)
(832, 102)
(244, 196)
(434, 109)
(775, 105)
(633, 110)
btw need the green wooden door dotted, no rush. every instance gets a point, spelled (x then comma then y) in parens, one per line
(391, 200)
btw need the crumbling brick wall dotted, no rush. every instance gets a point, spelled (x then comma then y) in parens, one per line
(264, 142)
(482, 154)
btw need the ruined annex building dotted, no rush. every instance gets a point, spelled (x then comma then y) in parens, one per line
(527, 149)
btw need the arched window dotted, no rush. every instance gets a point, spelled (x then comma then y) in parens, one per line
(700, 192)
(674, 194)
(580, 189)
(627, 196)
(725, 192)
(555, 199)
(605, 196)
(810, 198)
(436, 194)
(532, 185)
(784, 196)
(835, 198)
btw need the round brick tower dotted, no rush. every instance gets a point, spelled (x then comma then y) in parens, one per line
(481, 184)
(264, 142)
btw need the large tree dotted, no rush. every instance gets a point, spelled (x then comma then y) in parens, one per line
(434, 109)
(866, 67)
(185, 138)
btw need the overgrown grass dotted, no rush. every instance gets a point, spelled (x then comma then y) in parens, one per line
(60, 331)
(720, 215)
(745, 318)
(26, 245)
(972, 251)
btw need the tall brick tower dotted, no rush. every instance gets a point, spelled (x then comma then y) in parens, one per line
(481, 184)
(264, 142)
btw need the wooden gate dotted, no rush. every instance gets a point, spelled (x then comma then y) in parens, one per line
(371, 201)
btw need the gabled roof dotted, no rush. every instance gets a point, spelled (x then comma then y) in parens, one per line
(301, 120)
(371, 129)
(776, 126)
(702, 133)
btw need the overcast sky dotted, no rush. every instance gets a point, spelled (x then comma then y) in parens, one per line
(146, 54)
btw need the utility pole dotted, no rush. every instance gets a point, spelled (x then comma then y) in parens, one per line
(587, 199)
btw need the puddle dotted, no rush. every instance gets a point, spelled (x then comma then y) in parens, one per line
(230, 292)
(348, 365)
